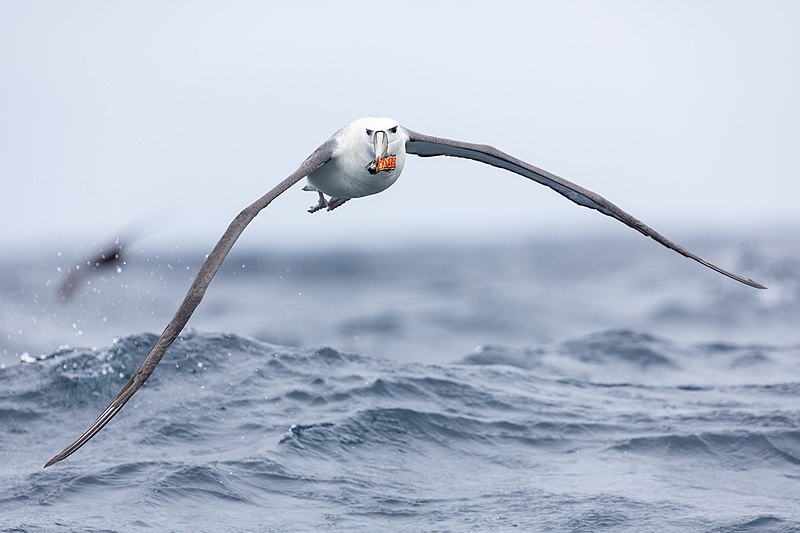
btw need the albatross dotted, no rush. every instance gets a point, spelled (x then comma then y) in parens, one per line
(363, 158)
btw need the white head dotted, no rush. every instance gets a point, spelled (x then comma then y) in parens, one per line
(382, 134)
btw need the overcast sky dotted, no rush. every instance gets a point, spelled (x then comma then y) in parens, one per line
(686, 114)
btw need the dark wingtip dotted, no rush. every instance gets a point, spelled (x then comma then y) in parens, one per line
(52, 461)
(755, 284)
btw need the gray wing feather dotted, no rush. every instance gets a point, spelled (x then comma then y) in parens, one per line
(192, 299)
(429, 146)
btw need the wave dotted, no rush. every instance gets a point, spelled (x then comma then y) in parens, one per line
(780, 448)
(626, 356)
(235, 424)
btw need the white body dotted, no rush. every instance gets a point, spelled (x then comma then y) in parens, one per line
(346, 174)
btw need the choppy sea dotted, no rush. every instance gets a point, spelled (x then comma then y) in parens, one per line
(583, 385)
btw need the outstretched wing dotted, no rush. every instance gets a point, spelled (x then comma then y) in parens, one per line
(192, 299)
(429, 146)
(108, 256)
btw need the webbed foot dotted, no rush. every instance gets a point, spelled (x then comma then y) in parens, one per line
(333, 203)
(322, 204)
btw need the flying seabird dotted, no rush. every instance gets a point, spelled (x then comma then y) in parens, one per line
(109, 256)
(363, 158)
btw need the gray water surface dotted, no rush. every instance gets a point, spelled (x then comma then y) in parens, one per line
(542, 387)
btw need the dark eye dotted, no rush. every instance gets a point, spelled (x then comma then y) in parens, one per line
(393, 130)
(369, 132)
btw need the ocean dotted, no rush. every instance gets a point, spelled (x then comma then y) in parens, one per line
(576, 385)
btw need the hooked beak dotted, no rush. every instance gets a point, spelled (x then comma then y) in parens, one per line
(380, 142)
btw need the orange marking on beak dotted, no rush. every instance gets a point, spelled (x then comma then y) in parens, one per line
(386, 164)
